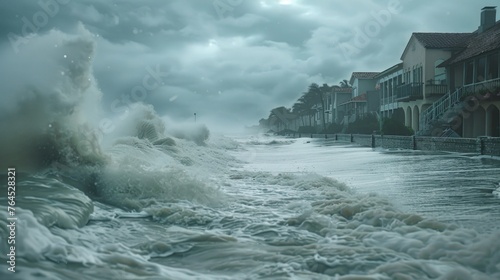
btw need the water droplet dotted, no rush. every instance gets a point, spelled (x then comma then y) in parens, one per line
(65, 56)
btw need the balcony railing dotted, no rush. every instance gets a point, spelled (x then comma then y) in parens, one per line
(435, 89)
(449, 100)
(387, 100)
(411, 91)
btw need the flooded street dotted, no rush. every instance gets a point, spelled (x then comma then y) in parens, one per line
(448, 187)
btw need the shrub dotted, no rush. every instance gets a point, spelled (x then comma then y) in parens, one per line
(392, 126)
(306, 129)
(365, 125)
(333, 128)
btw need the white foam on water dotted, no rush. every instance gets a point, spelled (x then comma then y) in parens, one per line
(172, 201)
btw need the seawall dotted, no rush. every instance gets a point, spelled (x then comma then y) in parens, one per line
(480, 145)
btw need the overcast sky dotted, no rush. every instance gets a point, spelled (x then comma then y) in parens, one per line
(232, 61)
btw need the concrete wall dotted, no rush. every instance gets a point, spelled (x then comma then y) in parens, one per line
(481, 145)
(491, 146)
(363, 140)
(431, 56)
(460, 145)
(395, 142)
(366, 85)
(414, 56)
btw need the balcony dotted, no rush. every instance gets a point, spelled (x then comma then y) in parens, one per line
(388, 103)
(409, 92)
(432, 89)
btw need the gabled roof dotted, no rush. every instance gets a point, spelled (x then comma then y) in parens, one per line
(480, 43)
(447, 41)
(362, 76)
(443, 40)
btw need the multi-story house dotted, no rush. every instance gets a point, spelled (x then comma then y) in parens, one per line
(364, 97)
(423, 81)
(388, 82)
(471, 106)
(339, 95)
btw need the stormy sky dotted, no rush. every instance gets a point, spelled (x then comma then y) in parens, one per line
(232, 61)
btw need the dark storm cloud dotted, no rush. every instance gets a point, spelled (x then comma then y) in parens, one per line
(235, 60)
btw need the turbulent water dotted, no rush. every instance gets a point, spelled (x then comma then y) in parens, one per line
(152, 200)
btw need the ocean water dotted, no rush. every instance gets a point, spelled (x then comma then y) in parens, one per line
(158, 200)
(258, 208)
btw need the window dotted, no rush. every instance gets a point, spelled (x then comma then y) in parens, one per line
(407, 76)
(492, 66)
(469, 73)
(481, 69)
(417, 74)
(439, 72)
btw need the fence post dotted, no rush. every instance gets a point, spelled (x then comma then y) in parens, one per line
(352, 138)
(414, 142)
(480, 145)
(373, 140)
(336, 137)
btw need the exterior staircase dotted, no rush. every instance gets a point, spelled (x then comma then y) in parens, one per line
(438, 115)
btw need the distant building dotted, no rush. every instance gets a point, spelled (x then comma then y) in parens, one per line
(388, 81)
(340, 95)
(364, 98)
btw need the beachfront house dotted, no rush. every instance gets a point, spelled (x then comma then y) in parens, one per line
(387, 83)
(423, 81)
(339, 95)
(364, 99)
(471, 106)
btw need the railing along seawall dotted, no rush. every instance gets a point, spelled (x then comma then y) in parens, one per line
(481, 145)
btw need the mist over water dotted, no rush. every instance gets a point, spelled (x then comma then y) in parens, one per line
(158, 199)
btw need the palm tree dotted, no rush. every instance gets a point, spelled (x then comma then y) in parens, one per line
(303, 106)
(299, 109)
(317, 96)
(281, 117)
(344, 83)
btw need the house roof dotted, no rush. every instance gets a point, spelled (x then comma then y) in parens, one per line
(433, 40)
(358, 99)
(362, 76)
(484, 42)
(342, 89)
(443, 40)
(390, 70)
